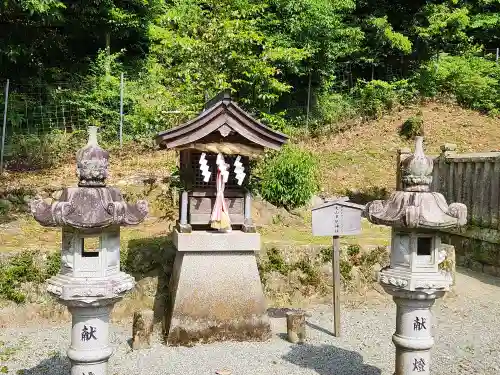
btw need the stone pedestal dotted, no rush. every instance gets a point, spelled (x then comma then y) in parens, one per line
(413, 338)
(89, 350)
(215, 289)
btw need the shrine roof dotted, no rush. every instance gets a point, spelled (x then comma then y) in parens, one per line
(224, 115)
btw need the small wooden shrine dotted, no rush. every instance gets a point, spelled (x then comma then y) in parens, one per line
(222, 138)
(215, 292)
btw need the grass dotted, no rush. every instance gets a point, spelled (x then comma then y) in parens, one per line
(371, 235)
(26, 234)
(129, 162)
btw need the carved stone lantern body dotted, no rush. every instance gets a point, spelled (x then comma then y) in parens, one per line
(413, 278)
(90, 281)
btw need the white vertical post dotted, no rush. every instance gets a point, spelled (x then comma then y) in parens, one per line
(308, 100)
(89, 351)
(413, 337)
(336, 285)
(248, 207)
(498, 54)
(121, 110)
(4, 125)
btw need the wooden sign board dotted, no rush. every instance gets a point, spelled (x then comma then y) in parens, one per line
(337, 218)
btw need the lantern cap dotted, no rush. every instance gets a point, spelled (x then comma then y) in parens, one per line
(92, 162)
(417, 169)
(416, 206)
(91, 205)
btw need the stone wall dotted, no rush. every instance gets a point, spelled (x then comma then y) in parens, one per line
(472, 179)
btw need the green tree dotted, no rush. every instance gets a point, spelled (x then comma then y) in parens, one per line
(206, 46)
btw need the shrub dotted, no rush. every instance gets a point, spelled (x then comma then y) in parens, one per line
(288, 178)
(275, 262)
(473, 81)
(22, 268)
(345, 270)
(353, 250)
(377, 97)
(412, 127)
(311, 274)
(378, 255)
(274, 121)
(334, 108)
(5, 207)
(326, 254)
(31, 152)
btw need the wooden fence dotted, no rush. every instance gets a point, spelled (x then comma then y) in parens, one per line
(472, 179)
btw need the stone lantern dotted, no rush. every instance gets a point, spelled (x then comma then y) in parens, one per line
(413, 278)
(90, 281)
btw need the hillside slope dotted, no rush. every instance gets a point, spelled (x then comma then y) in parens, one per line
(365, 156)
(358, 158)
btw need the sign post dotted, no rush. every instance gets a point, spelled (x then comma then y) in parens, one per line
(336, 285)
(336, 218)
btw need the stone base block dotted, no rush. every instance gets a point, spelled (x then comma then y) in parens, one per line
(215, 296)
(188, 331)
(142, 328)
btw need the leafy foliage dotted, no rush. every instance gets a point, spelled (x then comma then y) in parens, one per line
(378, 97)
(473, 81)
(25, 268)
(29, 151)
(274, 55)
(288, 178)
(412, 127)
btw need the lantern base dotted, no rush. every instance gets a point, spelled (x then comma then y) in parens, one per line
(216, 295)
(397, 279)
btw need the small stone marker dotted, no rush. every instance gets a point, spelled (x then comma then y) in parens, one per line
(142, 328)
(296, 326)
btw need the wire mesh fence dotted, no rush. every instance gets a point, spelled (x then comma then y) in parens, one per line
(38, 108)
(33, 110)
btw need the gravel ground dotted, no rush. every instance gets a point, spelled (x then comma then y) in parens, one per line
(467, 336)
